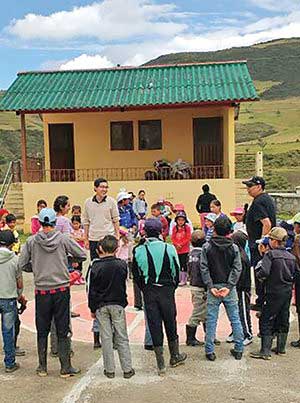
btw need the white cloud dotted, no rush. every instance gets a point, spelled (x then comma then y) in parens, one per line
(277, 5)
(106, 20)
(86, 62)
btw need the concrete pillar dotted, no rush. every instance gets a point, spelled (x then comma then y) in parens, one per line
(259, 163)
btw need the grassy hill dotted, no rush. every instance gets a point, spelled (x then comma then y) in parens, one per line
(272, 124)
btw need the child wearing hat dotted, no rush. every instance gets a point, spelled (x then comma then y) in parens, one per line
(11, 286)
(181, 238)
(209, 221)
(278, 270)
(239, 214)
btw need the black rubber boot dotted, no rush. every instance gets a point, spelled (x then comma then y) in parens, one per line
(297, 343)
(97, 343)
(265, 351)
(42, 345)
(191, 336)
(176, 358)
(281, 343)
(159, 354)
(64, 350)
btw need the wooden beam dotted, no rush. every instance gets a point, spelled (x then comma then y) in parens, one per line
(24, 148)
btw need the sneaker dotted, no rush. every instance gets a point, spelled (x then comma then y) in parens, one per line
(130, 374)
(42, 372)
(230, 339)
(70, 372)
(295, 344)
(236, 354)
(12, 369)
(260, 355)
(109, 375)
(210, 356)
(20, 352)
(247, 341)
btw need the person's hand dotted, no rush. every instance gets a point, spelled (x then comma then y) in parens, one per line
(93, 315)
(223, 292)
(215, 292)
(22, 300)
(86, 244)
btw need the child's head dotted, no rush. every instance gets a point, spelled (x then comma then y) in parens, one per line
(153, 227)
(240, 239)
(123, 198)
(76, 222)
(263, 245)
(181, 219)
(108, 245)
(11, 221)
(141, 194)
(3, 214)
(238, 213)
(76, 210)
(61, 205)
(155, 210)
(209, 220)
(277, 237)
(198, 238)
(296, 222)
(222, 226)
(7, 239)
(215, 206)
(41, 204)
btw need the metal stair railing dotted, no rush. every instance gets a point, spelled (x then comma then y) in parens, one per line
(6, 184)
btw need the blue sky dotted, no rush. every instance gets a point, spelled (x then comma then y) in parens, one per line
(70, 34)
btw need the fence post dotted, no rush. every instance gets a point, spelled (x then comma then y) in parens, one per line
(259, 163)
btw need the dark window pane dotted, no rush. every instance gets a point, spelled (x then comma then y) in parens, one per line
(121, 136)
(150, 137)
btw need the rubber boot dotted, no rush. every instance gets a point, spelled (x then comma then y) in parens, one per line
(159, 354)
(97, 343)
(183, 278)
(191, 336)
(64, 350)
(265, 350)
(176, 357)
(42, 345)
(281, 343)
(297, 343)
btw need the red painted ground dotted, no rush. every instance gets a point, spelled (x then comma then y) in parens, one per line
(135, 319)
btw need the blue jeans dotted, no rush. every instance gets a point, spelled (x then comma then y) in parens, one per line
(8, 311)
(231, 305)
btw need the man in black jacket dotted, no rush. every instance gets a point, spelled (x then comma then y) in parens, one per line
(278, 270)
(203, 203)
(221, 268)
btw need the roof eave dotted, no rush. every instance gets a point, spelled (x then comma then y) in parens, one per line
(125, 108)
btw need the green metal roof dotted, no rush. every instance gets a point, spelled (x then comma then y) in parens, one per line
(127, 87)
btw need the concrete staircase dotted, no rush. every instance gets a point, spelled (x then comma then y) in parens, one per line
(14, 203)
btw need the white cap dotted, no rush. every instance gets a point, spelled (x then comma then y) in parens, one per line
(123, 196)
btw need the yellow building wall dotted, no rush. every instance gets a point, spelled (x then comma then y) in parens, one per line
(92, 137)
(180, 191)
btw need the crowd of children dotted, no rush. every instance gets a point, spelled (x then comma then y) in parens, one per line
(159, 253)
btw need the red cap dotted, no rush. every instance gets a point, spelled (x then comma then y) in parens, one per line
(237, 210)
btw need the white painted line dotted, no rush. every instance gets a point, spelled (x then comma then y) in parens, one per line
(77, 390)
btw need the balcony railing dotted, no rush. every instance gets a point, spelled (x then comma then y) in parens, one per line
(124, 174)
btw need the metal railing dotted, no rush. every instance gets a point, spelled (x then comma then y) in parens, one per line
(6, 184)
(124, 174)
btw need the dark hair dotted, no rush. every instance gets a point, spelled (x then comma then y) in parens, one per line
(109, 244)
(10, 218)
(198, 238)
(40, 202)
(216, 202)
(223, 226)
(141, 191)
(205, 188)
(76, 218)
(76, 207)
(60, 202)
(98, 181)
(155, 206)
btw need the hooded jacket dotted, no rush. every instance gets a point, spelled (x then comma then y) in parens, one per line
(9, 273)
(220, 262)
(46, 256)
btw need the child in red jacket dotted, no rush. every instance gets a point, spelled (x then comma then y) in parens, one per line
(181, 238)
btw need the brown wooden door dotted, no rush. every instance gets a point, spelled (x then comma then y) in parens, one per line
(61, 145)
(208, 146)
